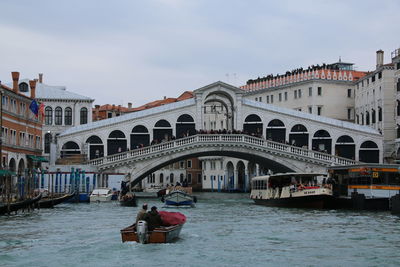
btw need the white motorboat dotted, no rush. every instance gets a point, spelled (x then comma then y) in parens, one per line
(101, 195)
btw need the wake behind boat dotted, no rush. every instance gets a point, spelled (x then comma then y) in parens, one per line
(298, 190)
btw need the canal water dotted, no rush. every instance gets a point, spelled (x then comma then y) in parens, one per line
(223, 230)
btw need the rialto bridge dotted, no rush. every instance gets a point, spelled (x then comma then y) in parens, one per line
(219, 121)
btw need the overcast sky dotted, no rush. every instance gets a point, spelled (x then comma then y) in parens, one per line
(139, 51)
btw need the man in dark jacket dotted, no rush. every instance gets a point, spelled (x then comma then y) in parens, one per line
(153, 219)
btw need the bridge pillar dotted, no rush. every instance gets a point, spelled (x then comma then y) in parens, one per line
(235, 178)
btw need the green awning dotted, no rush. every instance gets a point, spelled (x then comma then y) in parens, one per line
(37, 158)
(6, 172)
(41, 159)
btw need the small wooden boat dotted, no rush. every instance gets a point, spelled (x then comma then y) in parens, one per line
(15, 206)
(179, 196)
(163, 234)
(128, 200)
(50, 202)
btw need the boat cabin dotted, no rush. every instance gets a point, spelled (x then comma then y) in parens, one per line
(371, 180)
(286, 185)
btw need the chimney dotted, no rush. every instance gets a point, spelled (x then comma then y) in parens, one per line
(129, 105)
(15, 77)
(40, 77)
(379, 58)
(32, 84)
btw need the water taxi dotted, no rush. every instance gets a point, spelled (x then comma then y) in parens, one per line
(101, 195)
(297, 190)
(366, 186)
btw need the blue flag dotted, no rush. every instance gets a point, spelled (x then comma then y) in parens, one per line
(34, 107)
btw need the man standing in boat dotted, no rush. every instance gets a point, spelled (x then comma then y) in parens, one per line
(142, 214)
(153, 219)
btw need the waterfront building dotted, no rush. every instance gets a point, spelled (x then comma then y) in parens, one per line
(375, 103)
(326, 90)
(62, 110)
(109, 111)
(21, 129)
(396, 64)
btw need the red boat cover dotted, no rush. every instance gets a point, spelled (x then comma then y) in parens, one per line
(172, 218)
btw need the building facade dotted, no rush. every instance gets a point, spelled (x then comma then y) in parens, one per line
(375, 103)
(21, 129)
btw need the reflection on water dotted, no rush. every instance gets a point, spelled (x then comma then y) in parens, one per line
(223, 230)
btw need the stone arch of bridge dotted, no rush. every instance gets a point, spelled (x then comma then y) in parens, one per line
(271, 161)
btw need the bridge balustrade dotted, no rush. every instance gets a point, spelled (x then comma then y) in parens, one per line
(228, 138)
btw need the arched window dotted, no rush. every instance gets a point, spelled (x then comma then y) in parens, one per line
(48, 114)
(373, 116)
(379, 114)
(23, 87)
(367, 118)
(58, 116)
(47, 142)
(68, 116)
(84, 115)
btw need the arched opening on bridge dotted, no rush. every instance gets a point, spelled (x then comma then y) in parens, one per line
(140, 137)
(21, 167)
(218, 112)
(171, 178)
(181, 178)
(322, 141)
(185, 126)
(253, 125)
(241, 179)
(345, 147)
(231, 175)
(369, 152)
(116, 142)
(70, 148)
(96, 147)
(12, 165)
(298, 136)
(162, 131)
(276, 131)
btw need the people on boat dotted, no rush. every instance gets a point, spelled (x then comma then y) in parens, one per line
(153, 219)
(142, 214)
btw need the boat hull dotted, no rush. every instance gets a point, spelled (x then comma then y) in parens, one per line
(46, 203)
(4, 209)
(315, 202)
(132, 202)
(178, 198)
(159, 235)
(95, 198)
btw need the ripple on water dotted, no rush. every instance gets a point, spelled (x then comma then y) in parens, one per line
(223, 230)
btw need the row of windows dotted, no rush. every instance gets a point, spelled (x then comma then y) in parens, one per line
(360, 117)
(12, 105)
(151, 179)
(24, 139)
(58, 115)
(284, 97)
(367, 81)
